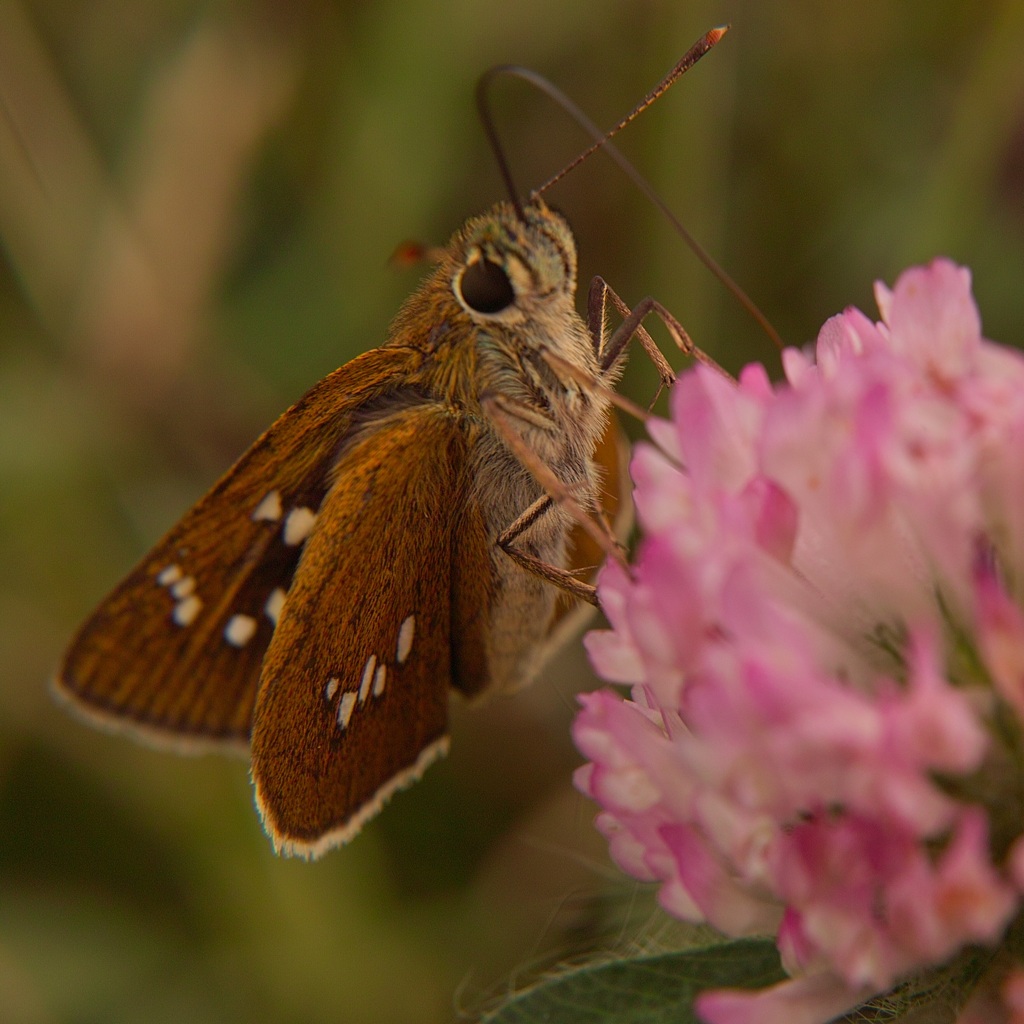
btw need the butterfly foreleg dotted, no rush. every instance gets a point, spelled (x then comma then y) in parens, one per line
(610, 349)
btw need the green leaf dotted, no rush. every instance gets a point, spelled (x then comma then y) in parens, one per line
(643, 990)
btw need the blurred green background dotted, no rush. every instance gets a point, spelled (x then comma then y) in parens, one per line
(197, 205)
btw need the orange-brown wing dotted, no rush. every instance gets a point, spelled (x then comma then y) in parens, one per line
(615, 505)
(174, 652)
(614, 499)
(353, 698)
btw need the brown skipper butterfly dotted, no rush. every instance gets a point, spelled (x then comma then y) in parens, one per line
(385, 542)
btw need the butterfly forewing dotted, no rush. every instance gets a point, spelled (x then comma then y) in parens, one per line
(175, 652)
(353, 700)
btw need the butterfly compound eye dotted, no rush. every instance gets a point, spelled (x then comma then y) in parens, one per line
(485, 287)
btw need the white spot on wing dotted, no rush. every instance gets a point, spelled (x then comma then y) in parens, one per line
(379, 679)
(185, 612)
(183, 587)
(331, 688)
(274, 605)
(299, 525)
(169, 575)
(269, 508)
(405, 635)
(240, 630)
(346, 706)
(364, 686)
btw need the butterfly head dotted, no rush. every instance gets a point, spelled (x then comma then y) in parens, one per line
(509, 268)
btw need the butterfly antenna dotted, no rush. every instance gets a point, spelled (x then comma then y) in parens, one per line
(602, 140)
(487, 121)
(692, 55)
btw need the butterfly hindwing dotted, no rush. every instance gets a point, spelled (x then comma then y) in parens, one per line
(585, 556)
(353, 699)
(174, 652)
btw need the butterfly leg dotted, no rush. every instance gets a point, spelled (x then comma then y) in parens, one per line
(610, 350)
(504, 413)
(609, 358)
(561, 578)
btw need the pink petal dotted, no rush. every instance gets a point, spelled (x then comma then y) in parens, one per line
(723, 904)
(1001, 636)
(809, 1000)
(716, 422)
(932, 317)
(846, 336)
